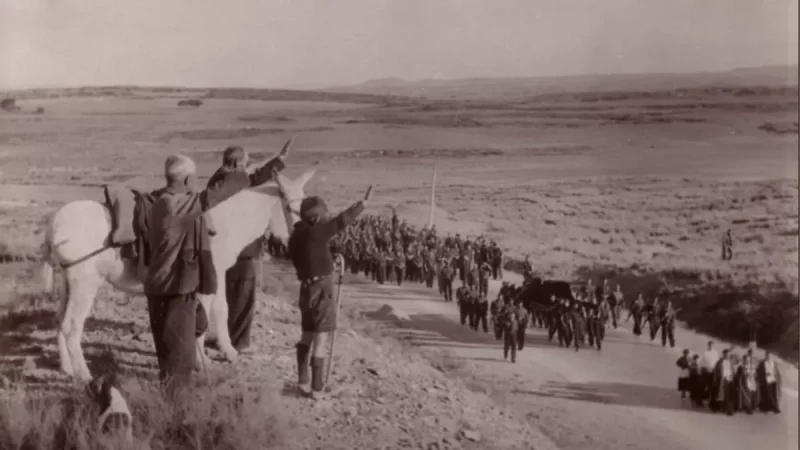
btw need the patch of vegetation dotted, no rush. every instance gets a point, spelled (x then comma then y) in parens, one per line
(780, 127)
(265, 118)
(9, 104)
(219, 417)
(191, 103)
(438, 120)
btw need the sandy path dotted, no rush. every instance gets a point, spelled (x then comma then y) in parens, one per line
(622, 397)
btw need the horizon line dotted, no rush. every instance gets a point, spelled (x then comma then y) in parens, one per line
(305, 87)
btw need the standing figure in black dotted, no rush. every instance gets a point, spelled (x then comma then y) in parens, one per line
(578, 324)
(510, 326)
(482, 312)
(463, 304)
(312, 260)
(637, 311)
(668, 325)
(494, 310)
(447, 274)
(522, 319)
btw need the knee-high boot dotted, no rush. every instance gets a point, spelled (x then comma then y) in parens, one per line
(303, 351)
(317, 374)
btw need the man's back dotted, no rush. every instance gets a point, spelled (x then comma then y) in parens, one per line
(173, 264)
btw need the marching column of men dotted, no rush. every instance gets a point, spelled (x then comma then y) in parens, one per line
(390, 250)
(393, 251)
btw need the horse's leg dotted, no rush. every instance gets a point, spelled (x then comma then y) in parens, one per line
(83, 281)
(219, 309)
(63, 353)
(202, 358)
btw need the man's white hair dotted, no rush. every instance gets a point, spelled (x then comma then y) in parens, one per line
(178, 167)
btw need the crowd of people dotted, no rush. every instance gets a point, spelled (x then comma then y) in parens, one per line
(389, 250)
(729, 383)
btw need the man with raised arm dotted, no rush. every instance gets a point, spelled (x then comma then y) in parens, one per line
(240, 280)
(312, 260)
(180, 263)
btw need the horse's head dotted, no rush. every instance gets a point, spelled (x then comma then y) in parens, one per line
(291, 193)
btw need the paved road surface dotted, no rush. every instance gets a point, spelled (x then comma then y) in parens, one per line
(622, 397)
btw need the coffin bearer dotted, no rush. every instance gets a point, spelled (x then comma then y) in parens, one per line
(180, 263)
(312, 260)
(240, 280)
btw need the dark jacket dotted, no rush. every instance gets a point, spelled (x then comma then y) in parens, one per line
(180, 252)
(258, 177)
(308, 245)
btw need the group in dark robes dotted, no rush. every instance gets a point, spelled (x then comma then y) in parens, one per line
(733, 385)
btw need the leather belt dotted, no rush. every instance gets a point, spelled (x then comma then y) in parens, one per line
(308, 281)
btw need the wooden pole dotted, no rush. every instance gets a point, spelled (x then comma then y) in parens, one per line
(433, 199)
(340, 267)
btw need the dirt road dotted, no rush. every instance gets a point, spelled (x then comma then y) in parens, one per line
(621, 397)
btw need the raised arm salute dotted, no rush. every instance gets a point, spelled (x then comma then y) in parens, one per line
(180, 261)
(312, 260)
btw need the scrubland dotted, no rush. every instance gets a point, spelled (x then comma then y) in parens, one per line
(637, 187)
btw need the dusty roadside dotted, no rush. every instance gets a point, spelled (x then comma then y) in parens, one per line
(621, 397)
(389, 395)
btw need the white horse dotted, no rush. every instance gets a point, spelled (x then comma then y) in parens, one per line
(77, 240)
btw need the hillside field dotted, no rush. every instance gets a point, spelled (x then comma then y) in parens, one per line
(638, 187)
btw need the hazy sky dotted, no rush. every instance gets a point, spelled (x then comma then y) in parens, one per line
(283, 43)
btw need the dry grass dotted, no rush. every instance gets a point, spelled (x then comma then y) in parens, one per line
(638, 188)
(388, 391)
(222, 417)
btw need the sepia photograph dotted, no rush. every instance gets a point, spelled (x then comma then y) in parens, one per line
(399, 224)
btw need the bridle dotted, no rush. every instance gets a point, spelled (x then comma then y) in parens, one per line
(287, 204)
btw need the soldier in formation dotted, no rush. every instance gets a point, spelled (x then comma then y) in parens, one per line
(509, 324)
(391, 250)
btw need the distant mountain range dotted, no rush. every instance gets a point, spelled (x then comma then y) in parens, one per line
(533, 86)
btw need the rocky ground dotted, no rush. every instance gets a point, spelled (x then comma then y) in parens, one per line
(388, 395)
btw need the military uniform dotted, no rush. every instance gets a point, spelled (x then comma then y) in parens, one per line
(464, 304)
(365, 261)
(418, 266)
(429, 265)
(668, 326)
(510, 323)
(472, 275)
(472, 299)
(637, 312)
(400, 267)
(593, 327)
(447, 275)
(380, 266)
(484, 273)
(313, 262)
(497, 261)
(613, 308)
(482, 312)
(578, 325)
(552, 318)
(495, 309)
(652, 312)
(522, 318)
